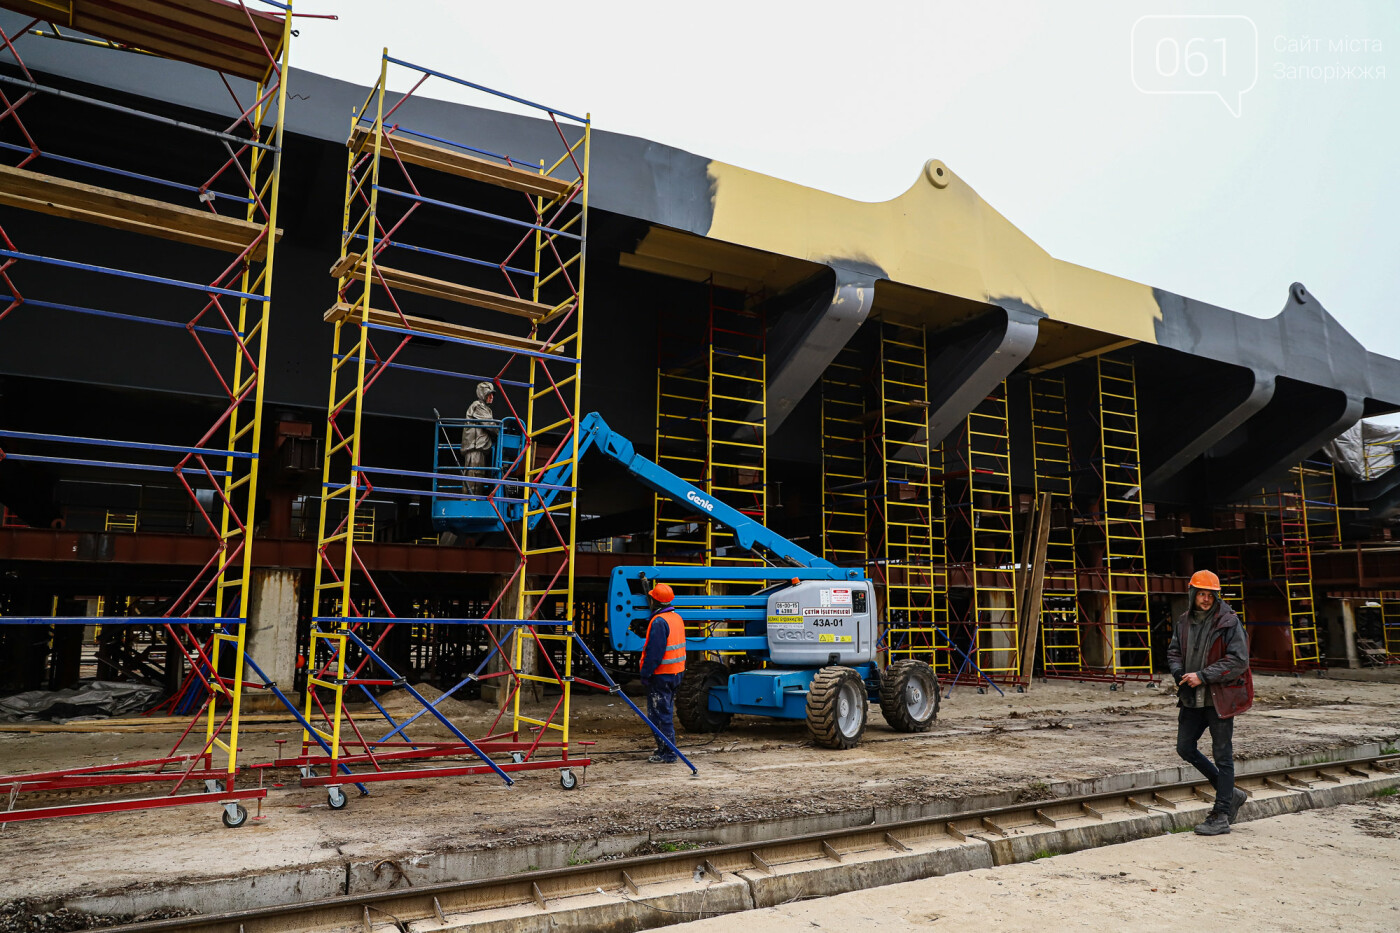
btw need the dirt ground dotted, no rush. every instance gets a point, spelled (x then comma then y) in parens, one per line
(760, 769)
(1320, 869)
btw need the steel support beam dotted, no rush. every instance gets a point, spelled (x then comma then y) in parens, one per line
(805, 342)
(973, 362)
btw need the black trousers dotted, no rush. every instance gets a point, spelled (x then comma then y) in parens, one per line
(1191, 724)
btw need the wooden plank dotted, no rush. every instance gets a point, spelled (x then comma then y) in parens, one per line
(352, 267)
(213, 55)
(60, 197)
(630, 885)
(428, 327)
(894, 842)
(208, 33)
(1038, 543)
(441, 159)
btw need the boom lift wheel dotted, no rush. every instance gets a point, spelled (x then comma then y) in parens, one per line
(336, 798)
(693, 697)
(909, 696)
(836, 708)
(234, 815)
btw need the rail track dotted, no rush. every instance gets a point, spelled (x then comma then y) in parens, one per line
(659, 889)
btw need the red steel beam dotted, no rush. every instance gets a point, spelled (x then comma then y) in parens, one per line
(118, 806)
(118, 547)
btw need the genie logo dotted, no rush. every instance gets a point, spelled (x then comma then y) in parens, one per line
(700, 500)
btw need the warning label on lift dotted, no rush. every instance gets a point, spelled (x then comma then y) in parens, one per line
(833, 639)
(836, 596)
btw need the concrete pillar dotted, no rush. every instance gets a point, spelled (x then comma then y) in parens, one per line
(271, 640)
(1093, 639)
(1349, 633)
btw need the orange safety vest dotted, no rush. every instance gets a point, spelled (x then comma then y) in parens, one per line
(673, 661)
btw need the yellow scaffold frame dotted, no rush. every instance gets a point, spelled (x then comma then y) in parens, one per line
(995, 601)
(1061, 650)
(907, 518)
(1128, 623)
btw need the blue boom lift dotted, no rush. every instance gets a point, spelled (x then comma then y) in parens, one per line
(814, 624)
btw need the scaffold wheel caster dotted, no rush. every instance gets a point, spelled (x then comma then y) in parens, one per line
(517, 757)
(981, 689)
(1112, 688)
(336, 798)
(234, 815)
(1020, 688)
(567, 779)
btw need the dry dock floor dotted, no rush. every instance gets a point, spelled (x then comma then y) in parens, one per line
(760, 770)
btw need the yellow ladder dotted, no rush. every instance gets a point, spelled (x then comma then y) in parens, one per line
(1129, 627)
(910, 554)
(1290, 561)
(1390, 625)
(994, 609)
(845, 488)
(1060, 649)
(738, 417)
(682, 445)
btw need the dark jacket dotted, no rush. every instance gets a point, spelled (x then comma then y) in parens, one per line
(1226, 671)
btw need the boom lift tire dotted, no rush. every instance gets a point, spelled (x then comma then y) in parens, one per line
(909, 696)
(836, 708)
(693, 697)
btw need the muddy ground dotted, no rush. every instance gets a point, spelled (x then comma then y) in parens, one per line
(758, 770)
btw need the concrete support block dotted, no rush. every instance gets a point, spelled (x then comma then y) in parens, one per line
(273, 604)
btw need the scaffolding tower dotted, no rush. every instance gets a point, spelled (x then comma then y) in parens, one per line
(993, 610)
(907, 515)
(1290, 566)
(516, 319)
(1127, 625)
(845, 487)
(738, 416)
(682, 440)
(232, 211)
(1390, 625)
(1061, 652)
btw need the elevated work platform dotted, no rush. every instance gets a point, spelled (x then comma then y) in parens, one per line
(106, 207)
(226, 37)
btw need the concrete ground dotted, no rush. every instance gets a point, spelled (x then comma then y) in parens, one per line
(1317, 870)
(758, 771)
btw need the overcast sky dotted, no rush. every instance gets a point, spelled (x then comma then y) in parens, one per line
(1041, 107)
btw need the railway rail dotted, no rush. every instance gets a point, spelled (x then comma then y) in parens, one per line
(663, 888)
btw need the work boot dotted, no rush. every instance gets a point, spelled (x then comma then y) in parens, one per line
(660, 759)
(1217, 824)
(1240, 798)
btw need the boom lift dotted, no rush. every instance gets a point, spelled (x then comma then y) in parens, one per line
(814, 624)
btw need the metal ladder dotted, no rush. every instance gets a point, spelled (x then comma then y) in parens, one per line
(1129, 624)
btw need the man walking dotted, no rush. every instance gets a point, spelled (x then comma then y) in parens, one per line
(663, 665)
(1209, 660)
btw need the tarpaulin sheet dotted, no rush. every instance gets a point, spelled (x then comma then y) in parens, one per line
(89, 699)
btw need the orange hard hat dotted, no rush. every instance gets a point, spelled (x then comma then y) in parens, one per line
(1205, 580)
(662, 593)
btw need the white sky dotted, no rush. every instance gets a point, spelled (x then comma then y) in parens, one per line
(1033, 104)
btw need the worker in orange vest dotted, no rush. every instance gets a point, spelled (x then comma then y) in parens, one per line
(663, 665)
